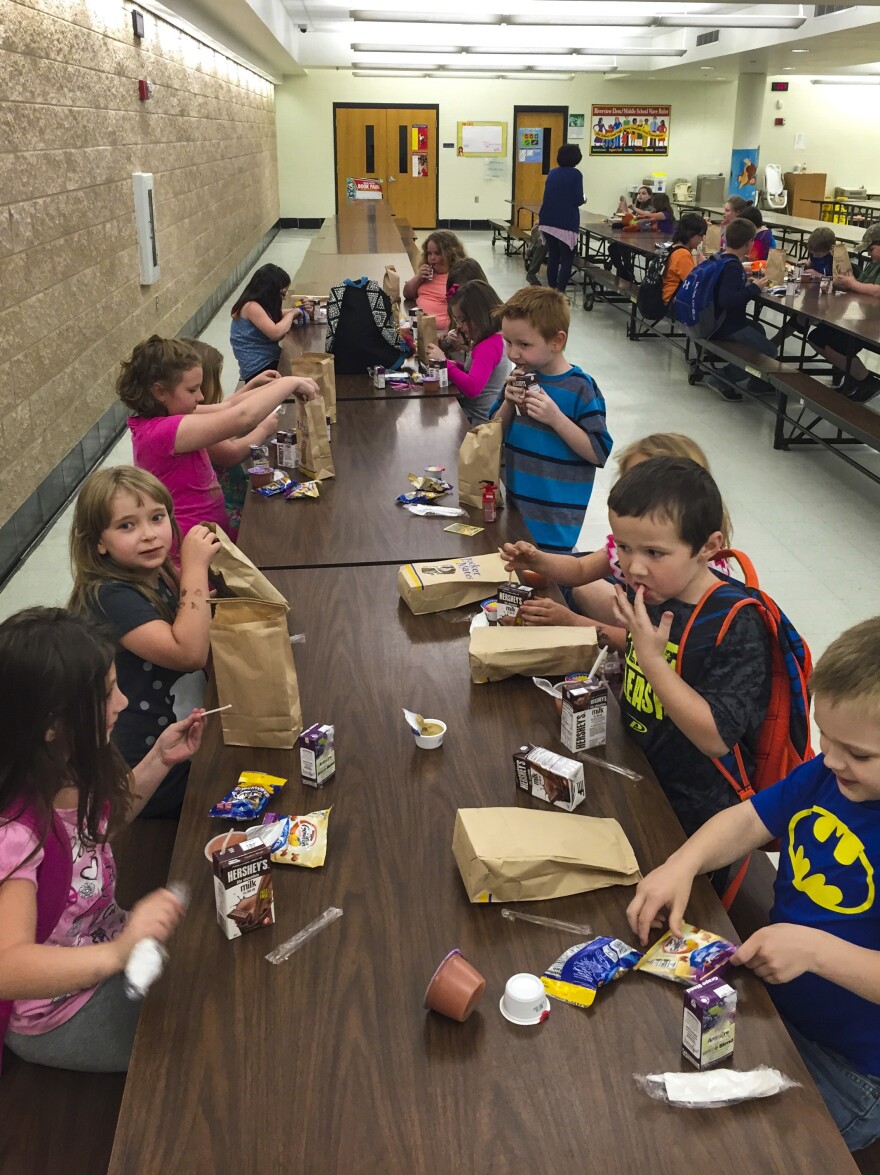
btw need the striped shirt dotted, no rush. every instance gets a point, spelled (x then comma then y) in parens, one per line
(546, 480)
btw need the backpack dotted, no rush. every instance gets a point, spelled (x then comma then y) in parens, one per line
(694, 300)
(650, 301)
(362, 328)
(784, 739)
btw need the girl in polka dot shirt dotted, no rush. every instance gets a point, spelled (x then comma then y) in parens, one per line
(123, 530)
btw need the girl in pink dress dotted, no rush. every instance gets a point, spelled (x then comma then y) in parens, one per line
(172, 428)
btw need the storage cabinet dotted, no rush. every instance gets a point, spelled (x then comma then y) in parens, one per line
(803, 186)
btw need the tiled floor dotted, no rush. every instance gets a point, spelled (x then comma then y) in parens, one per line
(809, 522)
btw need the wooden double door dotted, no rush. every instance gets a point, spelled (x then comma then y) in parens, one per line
(529, 176)
(394, 144)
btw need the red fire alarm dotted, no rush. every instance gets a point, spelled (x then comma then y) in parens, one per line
(145, 89)
(779, 122)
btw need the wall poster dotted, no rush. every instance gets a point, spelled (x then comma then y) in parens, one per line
(530, 144)
(743, 173)
(630, 130)
(482, 138)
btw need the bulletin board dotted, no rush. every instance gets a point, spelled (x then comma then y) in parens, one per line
(482, 138)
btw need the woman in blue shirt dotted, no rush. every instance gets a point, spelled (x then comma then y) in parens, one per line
(559, 219)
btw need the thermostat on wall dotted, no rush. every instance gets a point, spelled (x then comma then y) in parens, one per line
(145, 223)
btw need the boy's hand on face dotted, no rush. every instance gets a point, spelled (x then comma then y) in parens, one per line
(649, 642)
(780, 953)
(540, 407)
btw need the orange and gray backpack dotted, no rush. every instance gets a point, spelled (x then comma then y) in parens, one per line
(784, 739)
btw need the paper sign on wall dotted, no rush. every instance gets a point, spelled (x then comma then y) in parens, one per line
(363, 189)
(420, 167)
(576, 127)
(531, 144)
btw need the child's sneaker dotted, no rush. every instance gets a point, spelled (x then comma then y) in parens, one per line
(731, 395)
(861, 391)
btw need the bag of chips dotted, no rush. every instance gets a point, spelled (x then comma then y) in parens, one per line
(249, 797)
(688, 959)
(306, 841)
(578, 974)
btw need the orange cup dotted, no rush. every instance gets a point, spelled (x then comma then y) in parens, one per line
(455, 988)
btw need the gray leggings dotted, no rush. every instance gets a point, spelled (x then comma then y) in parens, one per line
(96, 1039)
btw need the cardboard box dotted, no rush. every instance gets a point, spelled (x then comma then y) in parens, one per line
(584, 714)
(708, 1022)
(550, 777)
(317, 755)
(520, 855)
(243, 888)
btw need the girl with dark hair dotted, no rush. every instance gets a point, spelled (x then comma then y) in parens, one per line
(659, 216)
(559, 218)
(481, 378)
(63, 791)
(259, 323)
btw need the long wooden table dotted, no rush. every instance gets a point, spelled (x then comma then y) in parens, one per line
(359, 241)
(357, 519)
(328, 1062)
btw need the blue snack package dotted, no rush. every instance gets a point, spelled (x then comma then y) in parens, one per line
(578, 974)
(249, 797)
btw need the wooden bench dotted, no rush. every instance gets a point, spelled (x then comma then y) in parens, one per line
(761, 367)
(55, 1120)
(604, 284)
(855, 424)
(503, 231)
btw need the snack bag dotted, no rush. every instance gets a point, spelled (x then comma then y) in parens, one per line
(301, 489)
(688, 959)
(578, 974)
(306, 841)
(249, 797)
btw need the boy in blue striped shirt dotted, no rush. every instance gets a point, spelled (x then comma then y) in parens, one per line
(553, 446)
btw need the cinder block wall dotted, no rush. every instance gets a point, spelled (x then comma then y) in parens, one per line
(72, 131)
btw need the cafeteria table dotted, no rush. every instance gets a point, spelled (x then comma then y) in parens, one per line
(328, 1062)
(375, 445)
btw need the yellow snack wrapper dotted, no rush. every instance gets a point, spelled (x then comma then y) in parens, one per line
(306, 841)
(688, 959)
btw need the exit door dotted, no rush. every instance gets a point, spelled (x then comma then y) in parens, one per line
(535, 154)
(396, 145)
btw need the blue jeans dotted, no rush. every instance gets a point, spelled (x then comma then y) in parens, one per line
(752, 335)
(852, 1098)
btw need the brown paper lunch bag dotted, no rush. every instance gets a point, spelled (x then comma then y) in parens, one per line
(712, 240)
(499, 651)
(427, 336)
(255, 674)
(237, 574)
(313, 438)
(318, 365)
(841, 265)
(479, 460)
(777, 260)
(391, 284)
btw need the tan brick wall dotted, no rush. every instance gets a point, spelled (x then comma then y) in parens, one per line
(72, 131)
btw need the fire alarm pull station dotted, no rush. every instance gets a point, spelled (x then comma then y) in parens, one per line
(145, 89)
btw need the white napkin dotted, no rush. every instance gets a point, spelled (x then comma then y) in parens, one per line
(716, 1087)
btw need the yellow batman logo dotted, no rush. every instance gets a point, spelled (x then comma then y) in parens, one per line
(811, 834)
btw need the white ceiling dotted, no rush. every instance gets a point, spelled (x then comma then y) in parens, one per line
(292, 36)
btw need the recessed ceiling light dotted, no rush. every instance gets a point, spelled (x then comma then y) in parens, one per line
(787, 68)
(707, 67)
(800, 50)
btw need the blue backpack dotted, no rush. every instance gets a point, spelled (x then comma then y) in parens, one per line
(694, 301)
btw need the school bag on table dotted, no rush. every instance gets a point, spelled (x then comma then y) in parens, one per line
(362, 328)
(784, 738)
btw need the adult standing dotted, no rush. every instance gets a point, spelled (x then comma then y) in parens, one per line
(559, 219)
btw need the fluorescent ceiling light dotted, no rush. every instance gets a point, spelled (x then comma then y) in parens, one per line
(627, 51)
(381, 73)
(413, 16)
(800, 50)
(475, 76)
(534, 50)
(853, 81)
(537, 77)
(729, 22)
(421, 67)
(361, 48)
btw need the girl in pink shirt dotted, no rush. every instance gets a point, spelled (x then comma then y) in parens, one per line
(172, 428)
(64, 942)
(481, 378)
(427, 286)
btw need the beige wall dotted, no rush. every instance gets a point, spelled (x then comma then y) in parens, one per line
(72, 132)
(701, 134)
(840, 125)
